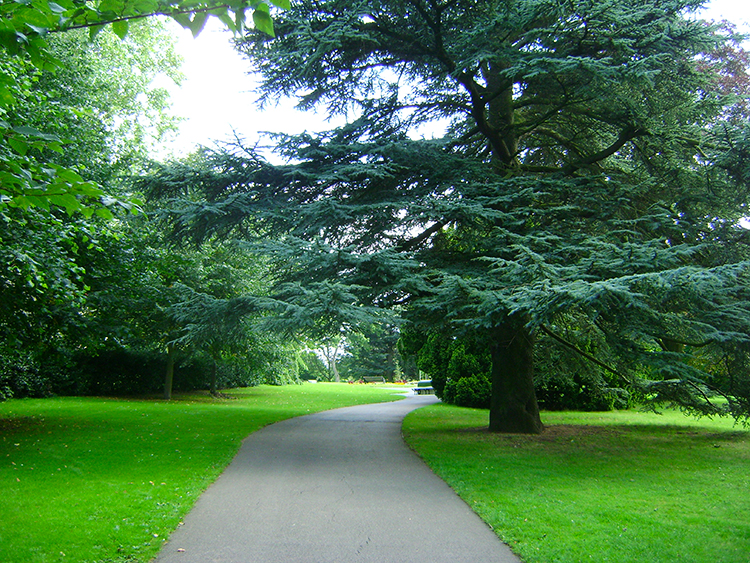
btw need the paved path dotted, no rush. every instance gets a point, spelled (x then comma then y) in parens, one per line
(334, 487)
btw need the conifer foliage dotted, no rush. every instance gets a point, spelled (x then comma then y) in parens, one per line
(592, 166)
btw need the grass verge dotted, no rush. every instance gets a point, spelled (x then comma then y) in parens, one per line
(107, 480)
(620, 487)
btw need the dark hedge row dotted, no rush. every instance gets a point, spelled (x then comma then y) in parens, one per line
(116, 372)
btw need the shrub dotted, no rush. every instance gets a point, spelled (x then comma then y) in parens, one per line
(577, 392)
(474, 391)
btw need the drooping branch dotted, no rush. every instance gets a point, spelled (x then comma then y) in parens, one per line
(666, 340)
(586, 355)
(591, 358)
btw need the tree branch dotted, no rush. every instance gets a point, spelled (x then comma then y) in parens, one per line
(477, 112)
(141, 17)
(586, 355)
(625, 137)
(420, 238)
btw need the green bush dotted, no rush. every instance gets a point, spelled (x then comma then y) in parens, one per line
(578, 393)
(20, 377)
(474, 391)
(134, 372)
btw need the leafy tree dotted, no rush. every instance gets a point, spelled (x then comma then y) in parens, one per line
(588, 168)
(104, 99)
(53, 260)
(28, 177)
(210, 316)
(312, 367)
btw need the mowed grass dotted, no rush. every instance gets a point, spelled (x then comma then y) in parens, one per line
(89, 480)
(620, 487)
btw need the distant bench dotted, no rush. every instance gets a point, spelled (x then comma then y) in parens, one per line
(424, 388)
(372, 379)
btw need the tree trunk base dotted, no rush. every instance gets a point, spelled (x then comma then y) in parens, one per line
(517, 419)
(169, 375)
(514, 408)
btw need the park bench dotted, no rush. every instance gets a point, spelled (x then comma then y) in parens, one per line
(424, 388)
(373, 379)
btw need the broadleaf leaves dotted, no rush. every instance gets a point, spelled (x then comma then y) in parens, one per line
(23, 27)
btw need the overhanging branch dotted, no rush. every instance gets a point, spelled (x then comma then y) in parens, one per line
(586, 355)
(141, 17)
(625, 137)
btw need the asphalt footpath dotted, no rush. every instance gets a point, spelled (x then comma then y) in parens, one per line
(333, 487)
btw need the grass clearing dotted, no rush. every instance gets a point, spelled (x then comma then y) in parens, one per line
(620, 487)
(107, 480)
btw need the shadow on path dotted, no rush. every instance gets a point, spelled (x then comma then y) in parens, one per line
(333, 487)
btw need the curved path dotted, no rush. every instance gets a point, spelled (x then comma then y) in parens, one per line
(334, 487)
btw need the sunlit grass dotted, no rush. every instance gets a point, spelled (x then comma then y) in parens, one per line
(621, 487)
(105, 480)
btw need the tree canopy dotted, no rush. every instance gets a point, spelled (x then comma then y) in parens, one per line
(593, 164)
(28, 177)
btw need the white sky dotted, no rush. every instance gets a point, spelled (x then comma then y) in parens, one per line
(217, 95)
(217, 98)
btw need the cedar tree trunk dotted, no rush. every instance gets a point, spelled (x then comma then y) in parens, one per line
(513, 407)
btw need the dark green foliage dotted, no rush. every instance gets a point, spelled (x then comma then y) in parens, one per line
(577, 393)
(474, 391)
(118, 372)
(443, 357)
(459, 368)
(20, 376)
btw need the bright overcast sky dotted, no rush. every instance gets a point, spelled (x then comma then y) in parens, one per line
(217, 96)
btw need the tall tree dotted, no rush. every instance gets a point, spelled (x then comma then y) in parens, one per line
(587, 166)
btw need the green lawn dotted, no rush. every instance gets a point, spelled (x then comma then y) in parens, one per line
(620, 487)
(105, 480)
(89, 480)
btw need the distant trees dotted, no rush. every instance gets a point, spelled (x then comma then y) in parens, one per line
(372, 353)
(590, 169)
